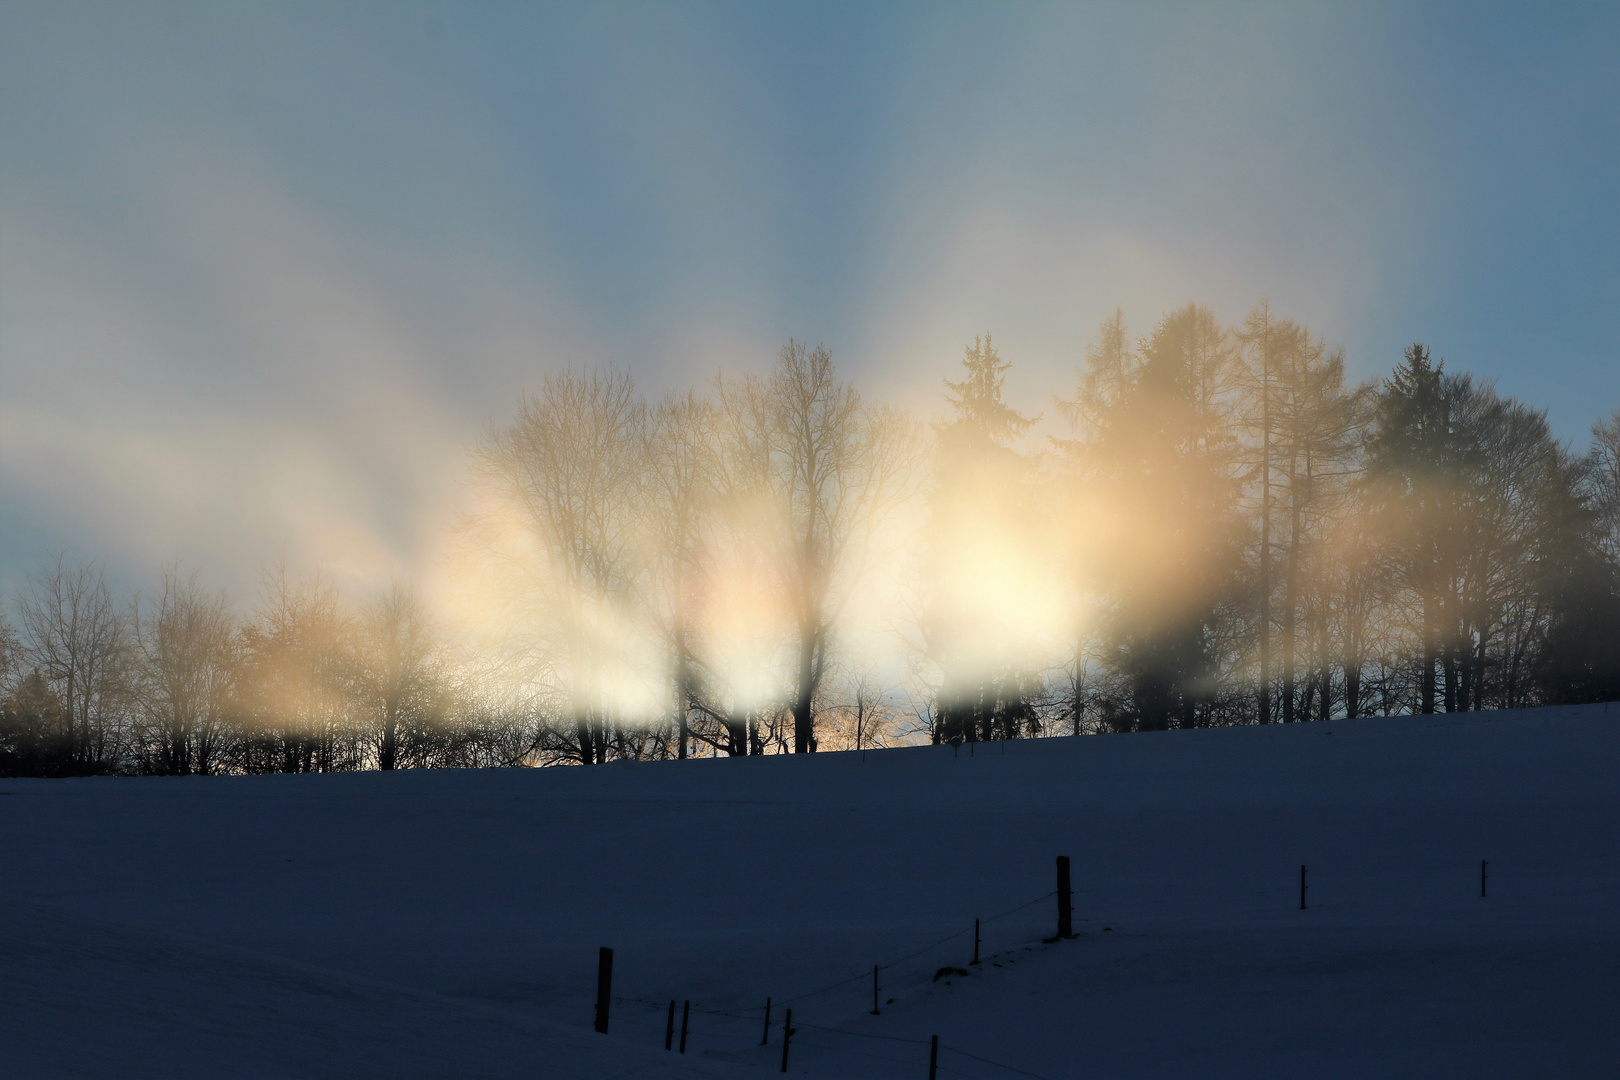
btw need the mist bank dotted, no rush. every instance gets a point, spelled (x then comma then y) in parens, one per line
(1230, 533)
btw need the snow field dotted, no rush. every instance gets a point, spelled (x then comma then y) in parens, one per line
(447, 923)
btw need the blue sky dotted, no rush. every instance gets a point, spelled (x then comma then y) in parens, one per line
(267, 269)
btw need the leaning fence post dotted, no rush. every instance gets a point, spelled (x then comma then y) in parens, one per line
(686, 1012)
(669, 1027)
(1302, 888)
(766, 1037)
(1065, 910)
(787, 1037)
(604, 987)
(933, 1058)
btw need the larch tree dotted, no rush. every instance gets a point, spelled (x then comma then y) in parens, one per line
(298, 685)
(1162, 460)
(1603, 481)
(1314, 437)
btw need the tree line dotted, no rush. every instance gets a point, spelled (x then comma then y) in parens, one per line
(1228, 532)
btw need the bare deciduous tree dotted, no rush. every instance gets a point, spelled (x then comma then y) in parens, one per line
(572, 464)
(399, 676)
(681, 470)
(188, 648)
(78, 637)
(833, 470)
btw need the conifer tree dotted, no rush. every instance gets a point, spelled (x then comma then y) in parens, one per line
(981, 524)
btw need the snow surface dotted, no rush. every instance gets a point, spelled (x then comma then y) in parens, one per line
(446, 924)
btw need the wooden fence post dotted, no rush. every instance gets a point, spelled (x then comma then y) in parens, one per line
(1065, 909)
(669, 1027)
(1302, 888)
(933, 1058)
(975, 959)
(604, 987)
(787, 1037)
(1482, 865)
(874, 990)
(686, 1013)
(766, 1037)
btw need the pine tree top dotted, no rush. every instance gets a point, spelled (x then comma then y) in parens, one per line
(976, 399)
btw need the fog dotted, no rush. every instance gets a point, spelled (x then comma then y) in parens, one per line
(271, 279)
(267, 272)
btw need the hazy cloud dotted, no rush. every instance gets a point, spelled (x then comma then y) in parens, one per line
(266, 271)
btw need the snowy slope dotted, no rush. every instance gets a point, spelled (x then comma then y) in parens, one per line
(446, 924)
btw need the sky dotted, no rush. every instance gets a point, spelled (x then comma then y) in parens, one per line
(267, 271)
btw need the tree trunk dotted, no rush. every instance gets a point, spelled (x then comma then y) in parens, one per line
(1079, 687)
(1290, 593)
(803, 722)
(737, 737)
(1352, 684)
(1265, 537)
(583, 730)
(1426, 685)
(1449, 670)
(683, 688)
(387, 751)
(388, 747)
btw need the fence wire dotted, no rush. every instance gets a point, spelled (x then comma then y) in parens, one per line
(757, 1015)
(822, 1029)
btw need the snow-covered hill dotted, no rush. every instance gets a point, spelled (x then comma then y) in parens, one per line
(447, 924)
